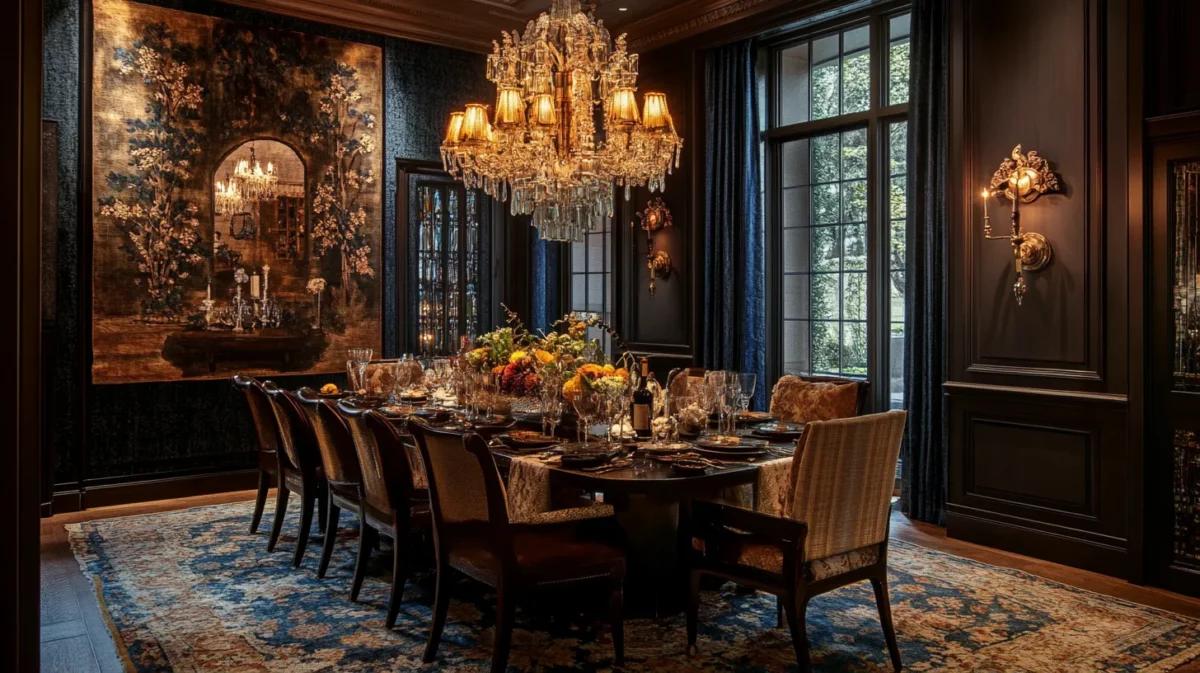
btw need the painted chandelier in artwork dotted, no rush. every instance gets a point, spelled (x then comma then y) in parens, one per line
(542, 151)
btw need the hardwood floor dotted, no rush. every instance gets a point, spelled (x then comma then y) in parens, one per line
(75, 637)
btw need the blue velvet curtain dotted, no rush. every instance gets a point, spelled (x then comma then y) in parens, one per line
(925, 457)
(546, 274)
(733, 330)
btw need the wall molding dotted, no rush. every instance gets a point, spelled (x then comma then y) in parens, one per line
(166, 488)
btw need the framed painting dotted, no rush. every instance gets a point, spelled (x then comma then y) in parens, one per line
(236, 197)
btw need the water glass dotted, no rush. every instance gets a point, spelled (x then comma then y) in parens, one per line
(356, 367)
(745, 390)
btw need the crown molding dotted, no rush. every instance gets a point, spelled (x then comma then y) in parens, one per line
(691, 18)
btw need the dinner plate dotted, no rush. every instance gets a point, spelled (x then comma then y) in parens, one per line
(536, 441)
(744, 444)
(749, 417)
(778, 430)
(736, 454)
(587, 458)
(665, 449)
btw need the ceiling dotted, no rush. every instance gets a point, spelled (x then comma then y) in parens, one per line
(474, 24)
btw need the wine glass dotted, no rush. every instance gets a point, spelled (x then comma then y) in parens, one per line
(587, 404)
(552, 411)
(356, 366)
(745, 390)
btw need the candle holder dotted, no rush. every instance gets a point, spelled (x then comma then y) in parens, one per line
(1022, 178)
(655, 217)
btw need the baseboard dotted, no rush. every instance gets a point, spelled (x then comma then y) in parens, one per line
(1071, 551)
(107, 495)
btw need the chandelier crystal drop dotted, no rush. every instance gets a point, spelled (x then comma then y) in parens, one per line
(229, 200)
(252, 182)
(546, 150)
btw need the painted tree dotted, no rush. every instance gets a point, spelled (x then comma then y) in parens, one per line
(160, 231)
(349, 136)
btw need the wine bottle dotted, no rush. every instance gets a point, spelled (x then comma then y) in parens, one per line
(643, 403)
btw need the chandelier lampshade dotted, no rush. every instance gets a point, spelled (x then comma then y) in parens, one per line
(550, 155)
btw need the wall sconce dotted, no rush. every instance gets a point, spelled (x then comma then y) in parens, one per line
(1022, 179)
(656, 216)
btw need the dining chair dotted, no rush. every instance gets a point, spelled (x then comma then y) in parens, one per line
(834, 532)
(300, 473)
(799, 399)
(339, 461)
(266, 431)
(681, 378)
(388, 501)
(472, 534)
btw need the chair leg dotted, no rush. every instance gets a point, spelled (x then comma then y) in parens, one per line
(260, 500)
(885, 618)
(281, 503)
(693, 611)
(306, 514)
(796, 610)
(441, 603)
(399, 578)
(506, 612)
(335, 513)
(323, 510)
(616, 614)
(364, 555)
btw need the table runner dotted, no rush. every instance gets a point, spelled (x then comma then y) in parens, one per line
(768, 493)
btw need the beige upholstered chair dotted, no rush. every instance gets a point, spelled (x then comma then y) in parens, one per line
(835, 531)
(797, 399)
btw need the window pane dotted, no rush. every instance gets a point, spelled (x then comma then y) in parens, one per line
(898, 66)
(825, 249)
(897, 230)
(795, 296)
(826, 348)
(793, 84)
(854, 296)
(795, 250)
(825, 158)
(899, 202)
(795, 163)
(578, 293)
(825, 291)
(826, 84)
(854, 201)
(854, 154)
(796, 358)
(898, 148)
(854, 247)
(797, 207)
(856, 72)
(854, 349)
(826, 204)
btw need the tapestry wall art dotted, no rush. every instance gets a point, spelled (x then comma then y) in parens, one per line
(237, 197)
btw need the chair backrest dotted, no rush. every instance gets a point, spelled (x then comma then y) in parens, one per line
(372, 468)
(338, 454)
(842, 481)
(295, 433)
(679, 380)
(800, 399)
(266, 428)
(465, 489)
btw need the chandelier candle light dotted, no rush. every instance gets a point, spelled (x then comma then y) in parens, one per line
(252, 181)
(542, 151)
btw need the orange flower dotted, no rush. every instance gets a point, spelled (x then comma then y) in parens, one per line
(622, 372)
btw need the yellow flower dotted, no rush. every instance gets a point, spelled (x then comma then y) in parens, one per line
(591, 370)
(516, 357)
(609, 369)
(544, 357)
(498, 369)
(622, 372)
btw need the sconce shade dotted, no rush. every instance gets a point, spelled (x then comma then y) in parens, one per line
(655, 115)
(475, 126)
(454, 132)
(510, 109)
(545, 113)
(623, 107)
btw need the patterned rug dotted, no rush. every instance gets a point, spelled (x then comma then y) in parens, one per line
(193, 591)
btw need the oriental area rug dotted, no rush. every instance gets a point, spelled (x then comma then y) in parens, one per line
(193, 590)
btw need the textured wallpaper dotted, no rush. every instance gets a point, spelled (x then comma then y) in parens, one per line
(140, 430)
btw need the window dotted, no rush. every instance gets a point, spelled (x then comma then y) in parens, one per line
(591, 278)
(836, 150)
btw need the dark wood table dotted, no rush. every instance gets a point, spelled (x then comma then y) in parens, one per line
(652, 508)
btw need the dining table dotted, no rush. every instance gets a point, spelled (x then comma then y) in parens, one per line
(648, 499)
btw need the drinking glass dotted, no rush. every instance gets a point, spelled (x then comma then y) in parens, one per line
(745, 390)
(356, 366)
(552, 411)
(587, 405)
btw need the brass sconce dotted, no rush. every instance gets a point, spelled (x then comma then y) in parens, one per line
(1022, 179)
(656, 216)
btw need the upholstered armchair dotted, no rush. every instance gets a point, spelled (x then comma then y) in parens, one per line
(834, 532)
(797, 399)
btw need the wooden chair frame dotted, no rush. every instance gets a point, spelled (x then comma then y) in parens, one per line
(306, 479)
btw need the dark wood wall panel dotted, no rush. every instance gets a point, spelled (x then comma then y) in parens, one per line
(1048, 102)
(1041, 447)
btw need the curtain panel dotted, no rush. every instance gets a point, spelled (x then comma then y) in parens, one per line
(925, 451)
(733, 328)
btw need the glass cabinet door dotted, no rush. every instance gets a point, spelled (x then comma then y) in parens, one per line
(446, 244)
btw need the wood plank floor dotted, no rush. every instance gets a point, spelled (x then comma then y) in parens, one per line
(75, 638)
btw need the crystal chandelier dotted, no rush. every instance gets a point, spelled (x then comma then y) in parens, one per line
(229, 200)
(544, 152)
(252, 182)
